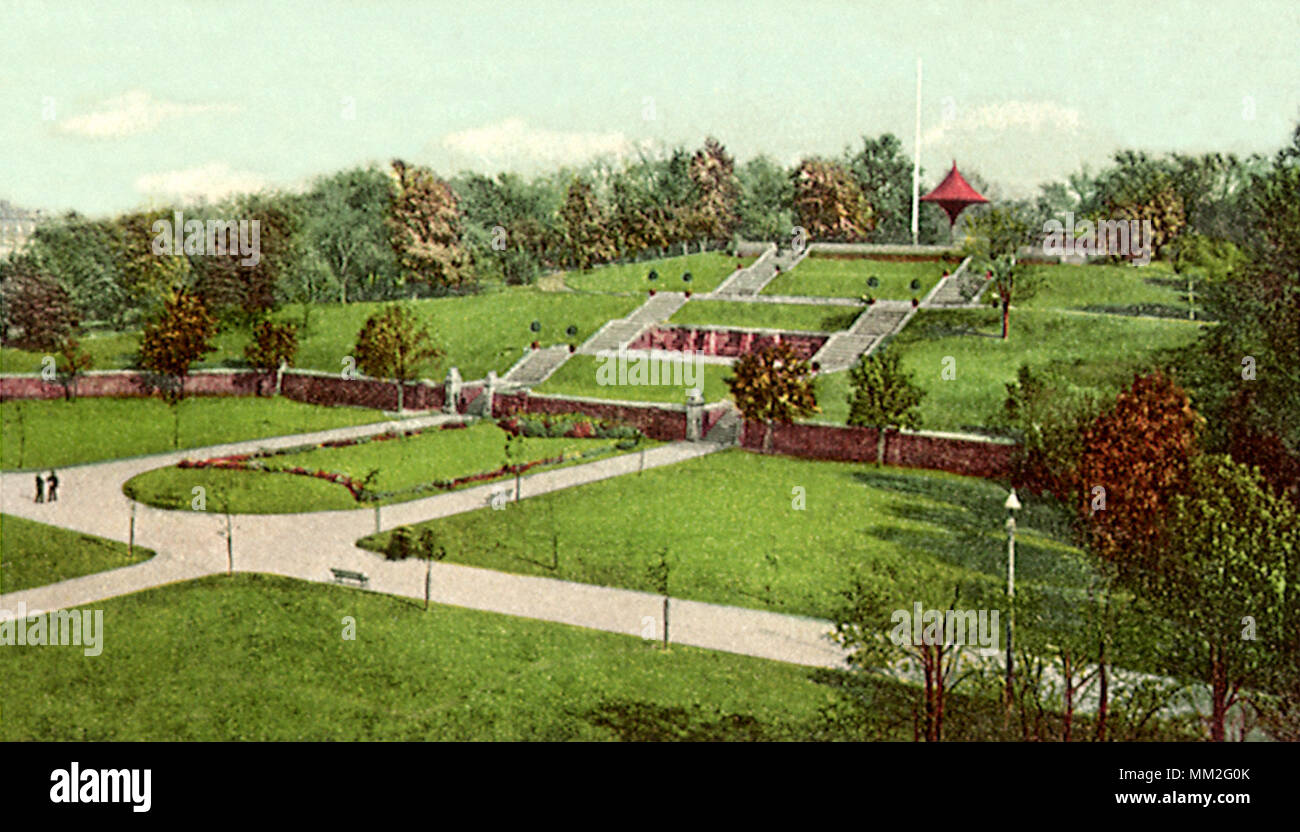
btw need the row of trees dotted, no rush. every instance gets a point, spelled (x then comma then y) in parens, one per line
(380, 234)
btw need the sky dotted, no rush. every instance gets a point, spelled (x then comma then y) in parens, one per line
(108, 107)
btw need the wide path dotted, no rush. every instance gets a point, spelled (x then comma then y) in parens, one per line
(192, 544)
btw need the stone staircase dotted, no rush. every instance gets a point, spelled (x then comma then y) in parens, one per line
(621, 331)
(537, 366)
(749, 282)
(949, 294)
(842, 349)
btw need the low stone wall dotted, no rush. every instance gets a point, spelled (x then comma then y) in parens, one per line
(729, 343)
(970, 457)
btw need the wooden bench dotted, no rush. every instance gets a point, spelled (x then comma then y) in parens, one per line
(342, 576)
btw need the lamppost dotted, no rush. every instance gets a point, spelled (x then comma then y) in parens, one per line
(1012, 505)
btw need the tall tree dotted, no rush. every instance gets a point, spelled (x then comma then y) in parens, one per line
(713, 211)
(884, 173)
(38, 311)
(425, 225)
(394, 344)
(148, 278)
(1229, 580)
(71, 363)
(273, 346)
(345, 227)
(1243, 371)
(586, 227)
(180, 335)
(829, 203)
(1138, 452)
(240, 281)
(883, 397)
(765, 209)
(510, 223)
(773, 385)
(81, 254)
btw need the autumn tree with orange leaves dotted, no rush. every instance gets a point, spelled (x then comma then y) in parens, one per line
(179, 336)
(1136, 457)
(829, 203)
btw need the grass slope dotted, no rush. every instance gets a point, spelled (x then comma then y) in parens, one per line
(707, 270)
(819, 276)
(57, 433)
(1096, 352)
(577, 377)
(478, 332)
(734, 537)
(34, 554)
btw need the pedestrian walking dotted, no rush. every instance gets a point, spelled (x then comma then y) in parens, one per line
(40, 489)
(53, 482)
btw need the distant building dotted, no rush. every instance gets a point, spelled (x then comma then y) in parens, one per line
(16, 225)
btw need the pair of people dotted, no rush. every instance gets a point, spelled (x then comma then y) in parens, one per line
(50, 484)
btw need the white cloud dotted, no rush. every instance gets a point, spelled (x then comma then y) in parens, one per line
(210, 182)
(513, 143)
(1017, 116)
(135, 112)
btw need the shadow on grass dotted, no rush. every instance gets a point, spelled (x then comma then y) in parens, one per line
(1147, 310)
(964, 527)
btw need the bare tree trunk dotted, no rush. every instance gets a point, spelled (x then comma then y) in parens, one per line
(1218, 697)
(1103, 693)
(1006, 317)
(1067, 670)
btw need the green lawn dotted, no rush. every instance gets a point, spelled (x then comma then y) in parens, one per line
(1152, 290)
(734, 537)
(819, 276)
(264, 660)
(33, 554)
(1096, 352)
(577, 377)
(784, 316)
(401, 463)
(478, 332)
(56, 433)
(707, 270)
(109, 351)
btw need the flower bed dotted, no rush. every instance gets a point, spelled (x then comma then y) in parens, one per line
(567, 425)
(575, 426)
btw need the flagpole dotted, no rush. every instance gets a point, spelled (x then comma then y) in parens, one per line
(916, 161)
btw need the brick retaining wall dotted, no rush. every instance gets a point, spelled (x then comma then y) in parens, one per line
(970, 457)
(312, 388)
(730, 343)
(660, 423)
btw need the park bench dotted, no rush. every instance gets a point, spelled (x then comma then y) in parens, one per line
(344, 575)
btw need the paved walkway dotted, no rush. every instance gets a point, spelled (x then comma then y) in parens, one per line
(191, 544)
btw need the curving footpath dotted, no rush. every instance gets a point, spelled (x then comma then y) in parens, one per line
(191, 544)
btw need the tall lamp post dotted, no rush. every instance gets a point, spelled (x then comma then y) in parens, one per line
(1012, 505)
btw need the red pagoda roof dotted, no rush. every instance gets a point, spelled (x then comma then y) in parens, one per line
(953, 194)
